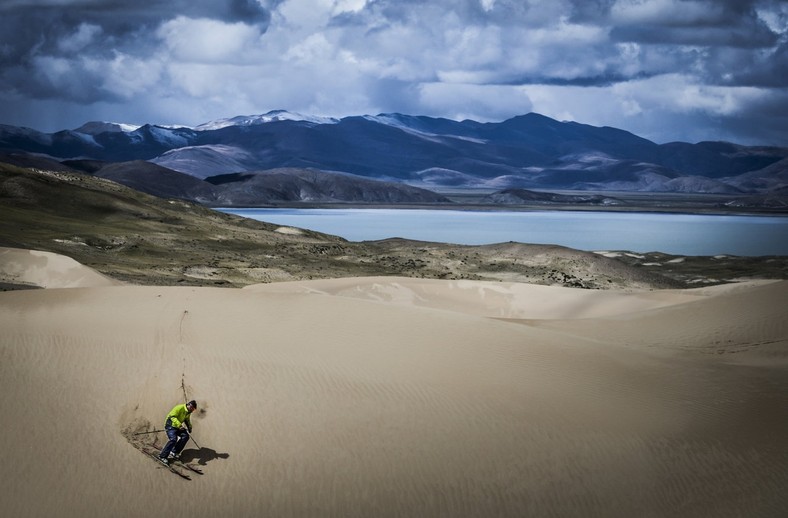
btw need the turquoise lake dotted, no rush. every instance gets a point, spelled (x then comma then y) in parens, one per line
(679, 234)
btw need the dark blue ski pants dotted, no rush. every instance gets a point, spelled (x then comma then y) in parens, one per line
(177, 440)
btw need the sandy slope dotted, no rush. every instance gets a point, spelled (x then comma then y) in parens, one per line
(47, 270)
(492, 299)
(398, 397)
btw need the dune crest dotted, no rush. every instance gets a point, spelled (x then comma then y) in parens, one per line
(47, 270)
(499, 299)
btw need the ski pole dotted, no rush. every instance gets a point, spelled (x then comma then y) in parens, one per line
(143, 433)
(192, 438)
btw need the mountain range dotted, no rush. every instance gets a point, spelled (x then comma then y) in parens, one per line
(393, 158)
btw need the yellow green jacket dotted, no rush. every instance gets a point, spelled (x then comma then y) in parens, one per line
(179, 415)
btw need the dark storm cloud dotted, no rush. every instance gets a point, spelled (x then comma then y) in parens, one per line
(731, 42)
(33, 27)
(766, 71)
(721, 42)
(119, 13)
(700, 24)
(590, 11)
(62, 48)
(604, 79)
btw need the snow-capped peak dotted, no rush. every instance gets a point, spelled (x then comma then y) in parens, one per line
(272, 116)
(168, 136)
(97, 127)
(391, 119)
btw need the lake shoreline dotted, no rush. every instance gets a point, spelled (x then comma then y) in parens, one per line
(633, 202)
(512, 208)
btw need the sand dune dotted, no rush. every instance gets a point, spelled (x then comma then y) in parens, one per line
(497, 299)
(398, 397)
(47, 270)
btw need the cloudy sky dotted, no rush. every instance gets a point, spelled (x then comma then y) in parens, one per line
(667, 70)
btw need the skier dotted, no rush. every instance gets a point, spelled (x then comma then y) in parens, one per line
(178, 427)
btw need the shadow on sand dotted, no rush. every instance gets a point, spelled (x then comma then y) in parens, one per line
(202, 456)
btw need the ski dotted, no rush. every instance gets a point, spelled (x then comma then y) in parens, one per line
(150, 450)
(188, 466)
(155, 456)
